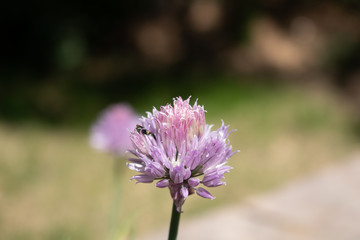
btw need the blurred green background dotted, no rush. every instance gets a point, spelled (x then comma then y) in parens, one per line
(285, 74)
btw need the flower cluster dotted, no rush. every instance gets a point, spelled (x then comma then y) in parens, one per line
(176, 147)
(110, 133)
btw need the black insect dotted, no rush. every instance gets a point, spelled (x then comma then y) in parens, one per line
(144, 131)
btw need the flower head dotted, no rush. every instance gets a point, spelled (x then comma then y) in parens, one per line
(175, 146)
(110, 133)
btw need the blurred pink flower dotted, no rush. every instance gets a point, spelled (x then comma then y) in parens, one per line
(110, 133)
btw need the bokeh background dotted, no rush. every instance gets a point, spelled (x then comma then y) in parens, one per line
(285, 74)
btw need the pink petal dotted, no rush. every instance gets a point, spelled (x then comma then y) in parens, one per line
(162, 183)
(203, 193)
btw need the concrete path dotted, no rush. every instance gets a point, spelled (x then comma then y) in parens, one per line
(324, 206)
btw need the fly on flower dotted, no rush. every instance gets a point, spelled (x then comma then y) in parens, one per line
(142, 130)
(175, 146)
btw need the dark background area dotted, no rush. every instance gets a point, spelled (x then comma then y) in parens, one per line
(61, 62)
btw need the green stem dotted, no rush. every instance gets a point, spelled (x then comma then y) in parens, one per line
(174, 224)
(114, 221)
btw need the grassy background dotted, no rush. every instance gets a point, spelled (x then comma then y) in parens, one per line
(54, 186)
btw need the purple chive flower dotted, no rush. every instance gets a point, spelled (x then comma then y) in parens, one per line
(176, 146)
(110, 133)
